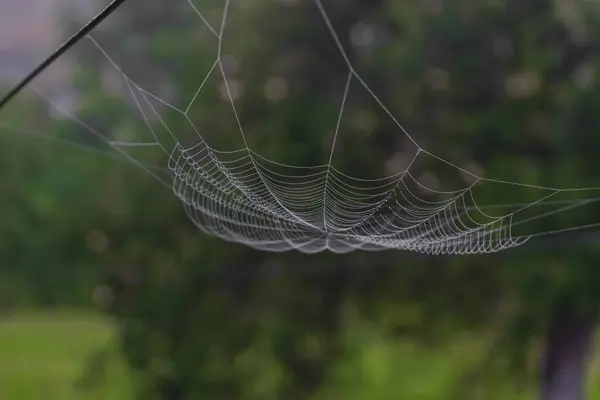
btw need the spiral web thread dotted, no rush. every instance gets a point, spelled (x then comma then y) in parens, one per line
(243, 197)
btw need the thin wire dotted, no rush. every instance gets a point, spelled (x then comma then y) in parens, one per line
(72, 41)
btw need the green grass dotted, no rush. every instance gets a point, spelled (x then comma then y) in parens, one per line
(45, 355)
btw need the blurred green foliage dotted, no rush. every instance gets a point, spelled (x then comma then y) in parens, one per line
(508, 86)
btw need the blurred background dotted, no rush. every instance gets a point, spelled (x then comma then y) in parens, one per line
(108, 291)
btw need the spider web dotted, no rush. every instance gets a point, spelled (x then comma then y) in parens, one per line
(239, 194)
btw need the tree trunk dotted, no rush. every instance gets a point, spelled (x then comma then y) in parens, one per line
(568, 345)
